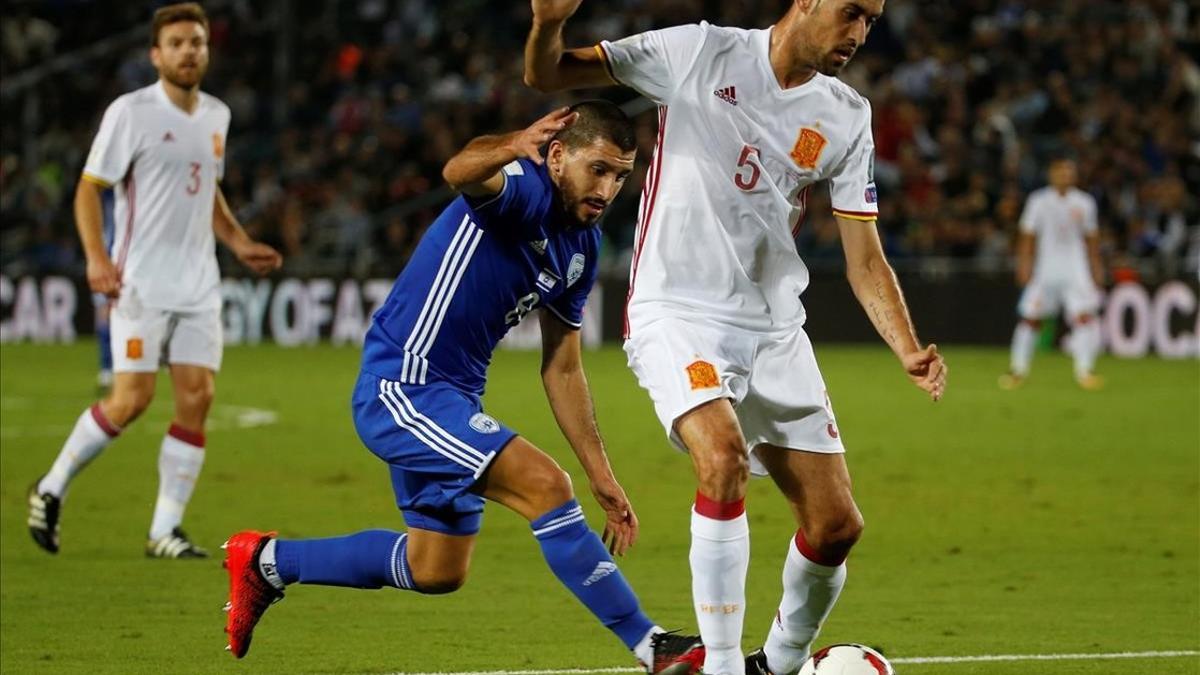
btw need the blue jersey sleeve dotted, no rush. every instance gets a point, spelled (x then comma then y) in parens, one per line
(568, 307)
(523, 199)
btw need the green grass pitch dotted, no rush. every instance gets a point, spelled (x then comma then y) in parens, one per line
(1043, 521)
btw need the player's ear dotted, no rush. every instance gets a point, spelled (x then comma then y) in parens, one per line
(556, 155)
(156, 56)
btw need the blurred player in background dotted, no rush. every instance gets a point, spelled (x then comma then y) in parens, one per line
(1058, 265)
(102, 304)
(748, 121)
(523, 236)
(162, 149)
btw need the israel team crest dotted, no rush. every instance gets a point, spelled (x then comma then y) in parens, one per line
(575, 269)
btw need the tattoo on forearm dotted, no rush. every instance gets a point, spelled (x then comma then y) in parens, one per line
(880, 308)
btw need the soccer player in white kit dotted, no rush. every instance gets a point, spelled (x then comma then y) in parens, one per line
(748, 121)
(162, 148)
(1059, 222)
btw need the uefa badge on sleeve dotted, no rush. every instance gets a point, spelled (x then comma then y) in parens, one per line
(484, 423)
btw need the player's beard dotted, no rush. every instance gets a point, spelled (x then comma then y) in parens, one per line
(185, 78)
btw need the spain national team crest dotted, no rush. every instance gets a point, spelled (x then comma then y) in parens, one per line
(808, 148)
(133, 348)
(575, 269)
(218, 146)
(702, 375)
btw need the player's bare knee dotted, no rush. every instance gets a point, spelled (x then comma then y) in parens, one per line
(440, 582)
(126, 405)
(551, 489)
(723, 472)
(196, 400)
(836, 532)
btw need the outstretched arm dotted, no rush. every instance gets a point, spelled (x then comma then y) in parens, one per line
(259, 257)
(875, 285)
(475, 170)
(550, 67)
(571, 401)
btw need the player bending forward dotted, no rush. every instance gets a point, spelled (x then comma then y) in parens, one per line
(522, 236)
(748, 120)
(1060, 222)
(162, 149)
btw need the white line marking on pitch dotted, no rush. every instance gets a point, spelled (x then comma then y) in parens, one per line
(223, 417)
(901, 661)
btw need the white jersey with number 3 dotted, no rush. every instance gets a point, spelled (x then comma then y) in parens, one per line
(163, 165)
(727, 185)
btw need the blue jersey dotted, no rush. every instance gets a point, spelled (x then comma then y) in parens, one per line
(479, 269)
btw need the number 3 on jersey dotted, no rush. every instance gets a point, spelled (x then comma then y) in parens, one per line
(193, 185)
(747, 174)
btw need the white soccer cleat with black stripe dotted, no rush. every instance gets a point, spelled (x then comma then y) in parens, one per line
(44, 510)
(174, 545)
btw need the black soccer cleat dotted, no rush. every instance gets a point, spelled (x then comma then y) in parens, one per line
(756, 663)
(676, 654)
(44, 510)
(174, 545)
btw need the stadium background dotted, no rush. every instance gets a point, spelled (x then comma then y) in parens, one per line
(343, 113)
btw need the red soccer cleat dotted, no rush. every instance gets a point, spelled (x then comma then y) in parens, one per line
(676, 654)
(249, 593)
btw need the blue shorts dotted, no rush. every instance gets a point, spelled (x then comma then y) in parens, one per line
(437, 441)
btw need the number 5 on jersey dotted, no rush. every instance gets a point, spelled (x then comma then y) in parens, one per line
(747, 174)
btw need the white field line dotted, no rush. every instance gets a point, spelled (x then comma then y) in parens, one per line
(223, 417)
(899, 661)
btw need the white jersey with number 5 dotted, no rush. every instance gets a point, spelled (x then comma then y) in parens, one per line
(727, 185)
(1061, 223)
(163, 165)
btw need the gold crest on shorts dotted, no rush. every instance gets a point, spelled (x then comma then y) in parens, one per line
(133, 348)
(702, 375)
(807, 150)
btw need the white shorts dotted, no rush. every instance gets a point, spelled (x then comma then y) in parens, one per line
(1042, 299)
(771, 379)
(144, 339)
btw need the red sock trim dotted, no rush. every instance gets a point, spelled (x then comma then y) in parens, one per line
(98, 417)
(812, 554)
(188, 436)
(710, 508)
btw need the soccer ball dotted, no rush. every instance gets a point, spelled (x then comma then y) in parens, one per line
(847, 660)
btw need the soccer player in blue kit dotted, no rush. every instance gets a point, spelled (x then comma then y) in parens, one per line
(523, 235)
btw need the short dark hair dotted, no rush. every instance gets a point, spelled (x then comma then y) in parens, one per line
(183, 11)
(599, 119)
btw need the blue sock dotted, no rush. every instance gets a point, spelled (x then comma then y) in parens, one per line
(369, 559)
(580, 561)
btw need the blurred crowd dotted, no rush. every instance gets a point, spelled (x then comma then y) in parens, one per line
(344, 112)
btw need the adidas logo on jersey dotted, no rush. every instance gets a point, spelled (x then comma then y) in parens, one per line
(168, 137)
(728, 94)
(603, 569)
(539, 246)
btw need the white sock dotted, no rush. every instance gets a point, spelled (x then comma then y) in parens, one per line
(641, 651)
(1023, 341)
(270, 572)
(809, 591)
(179, 463)
(92, 433)
(720, 556)
(1085, 346)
